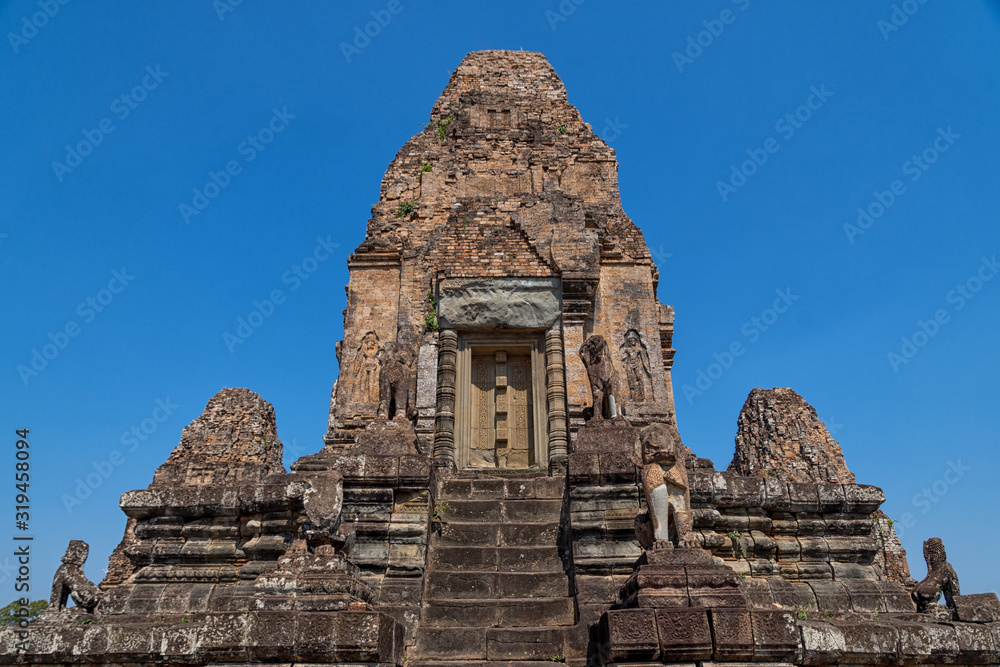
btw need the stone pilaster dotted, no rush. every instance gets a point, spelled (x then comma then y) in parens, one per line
(555, 368)
(444, 423)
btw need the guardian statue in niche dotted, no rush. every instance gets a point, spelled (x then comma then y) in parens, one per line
(941, 577)
(394, 384)
(71, 581)
(366, 367)
(635, 361)
(603, 378)
(667, 520)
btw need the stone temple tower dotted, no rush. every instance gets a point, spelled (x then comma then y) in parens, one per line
(502, 481)
(498, 245)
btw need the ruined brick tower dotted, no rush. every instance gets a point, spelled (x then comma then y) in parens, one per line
(502, 482)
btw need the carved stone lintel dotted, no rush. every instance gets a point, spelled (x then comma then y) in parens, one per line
(444, 423)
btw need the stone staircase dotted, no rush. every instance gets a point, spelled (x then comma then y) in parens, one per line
(496, 589)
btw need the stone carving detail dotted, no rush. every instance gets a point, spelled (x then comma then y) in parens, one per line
(477, 303)
(444, 421)
(365, 369)
(635, 361)
(667, 521)
(603, 378)
(556, 397)
(941, 578)
(71, 581)
(394, 384)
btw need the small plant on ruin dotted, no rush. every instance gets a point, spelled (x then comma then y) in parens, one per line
(801, 614)
(185, 620)
(264, 443)
(425, 167)
(743, 575)
(405, 208)
(561, 128)
(431, 317)
(442, 127)
(438, 509)
(889, 521)
(739, 551)
(558, 658)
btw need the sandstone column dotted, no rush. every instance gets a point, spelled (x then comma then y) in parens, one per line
(444, 423)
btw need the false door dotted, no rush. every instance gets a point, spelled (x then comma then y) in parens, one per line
(501, 411)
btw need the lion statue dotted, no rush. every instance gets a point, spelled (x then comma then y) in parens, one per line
(667, 520)
(941, 578)
(603, 378)
(70, 580)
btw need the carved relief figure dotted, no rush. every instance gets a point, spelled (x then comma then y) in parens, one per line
(603, 378)
(394, 384)
(941, 577)
(70, 580)
(635, 361)
(365, 369)
(667, 522)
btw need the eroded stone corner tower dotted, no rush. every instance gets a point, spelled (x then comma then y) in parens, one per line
(499, 245)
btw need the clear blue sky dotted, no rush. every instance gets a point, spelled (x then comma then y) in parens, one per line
(927, 87)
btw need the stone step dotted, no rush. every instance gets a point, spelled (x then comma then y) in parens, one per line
(479, 585)
(508, 613)
(506, 645)
(494, 663)
(485, 534)
(494, 559)
(498, 511)
(511, 488)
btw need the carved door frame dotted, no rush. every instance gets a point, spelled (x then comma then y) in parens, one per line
(531, 344)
